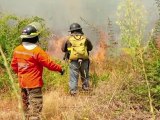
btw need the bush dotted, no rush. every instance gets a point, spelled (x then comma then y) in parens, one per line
(10, 30)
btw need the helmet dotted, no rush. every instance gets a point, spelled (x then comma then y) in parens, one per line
(74, 27)
(30, 30)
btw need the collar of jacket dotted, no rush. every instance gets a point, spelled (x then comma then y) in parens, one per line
(29, 46)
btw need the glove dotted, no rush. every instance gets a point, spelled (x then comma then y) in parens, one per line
(62, 72)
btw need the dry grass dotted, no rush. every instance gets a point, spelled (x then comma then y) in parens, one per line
(110, 100)
(106, 102)
(9, 110)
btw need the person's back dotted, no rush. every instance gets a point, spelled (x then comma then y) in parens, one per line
(77, 48)
(28, 61)
(30, 65)
(76, 40)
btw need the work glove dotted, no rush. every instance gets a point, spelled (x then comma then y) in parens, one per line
(62, 72)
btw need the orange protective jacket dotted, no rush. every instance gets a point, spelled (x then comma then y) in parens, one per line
(28, 64)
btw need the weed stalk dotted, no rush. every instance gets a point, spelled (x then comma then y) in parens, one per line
(148, 86)
(12, 83)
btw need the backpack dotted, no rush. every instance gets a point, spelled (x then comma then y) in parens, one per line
(78, 47)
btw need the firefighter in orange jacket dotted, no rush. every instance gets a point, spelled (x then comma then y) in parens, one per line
(28, 62)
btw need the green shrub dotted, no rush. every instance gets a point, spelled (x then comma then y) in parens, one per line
(10, 30)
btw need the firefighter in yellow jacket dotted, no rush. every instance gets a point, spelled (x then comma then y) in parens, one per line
(77, 47)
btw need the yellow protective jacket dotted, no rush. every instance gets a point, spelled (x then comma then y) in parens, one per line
(77, 46)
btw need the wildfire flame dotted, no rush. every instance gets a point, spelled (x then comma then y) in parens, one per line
(54, 47)
(99, 55)
(101, 52)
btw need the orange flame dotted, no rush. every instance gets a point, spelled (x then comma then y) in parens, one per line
(54, 47)
(101, 52)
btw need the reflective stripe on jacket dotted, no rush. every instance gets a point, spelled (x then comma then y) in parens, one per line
(28, 64)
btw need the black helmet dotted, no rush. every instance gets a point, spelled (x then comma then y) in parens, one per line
(30, 31)
(74, 27)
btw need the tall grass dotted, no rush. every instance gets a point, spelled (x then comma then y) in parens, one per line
(132, 25)
(12, 82)
(124, 87)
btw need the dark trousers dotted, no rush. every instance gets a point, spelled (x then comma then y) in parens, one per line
(32, 102)
(77, 68)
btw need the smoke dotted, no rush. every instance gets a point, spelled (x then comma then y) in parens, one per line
(59, 14)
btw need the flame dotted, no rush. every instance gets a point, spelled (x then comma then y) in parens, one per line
(55, 45)
(100, 55)
(101, 52)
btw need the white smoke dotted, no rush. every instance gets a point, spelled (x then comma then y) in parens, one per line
(59, 14)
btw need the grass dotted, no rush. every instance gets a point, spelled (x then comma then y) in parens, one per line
(12, 82)
(111, 99)
(118, 88)
(112, 96)
(103, 104)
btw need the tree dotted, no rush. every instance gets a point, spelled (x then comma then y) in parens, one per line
(10, 30)
(132, 22)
